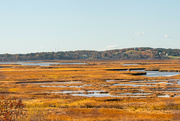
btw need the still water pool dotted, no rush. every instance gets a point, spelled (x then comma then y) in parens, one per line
(38, 63)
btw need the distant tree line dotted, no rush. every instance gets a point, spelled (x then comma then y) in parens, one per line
(117, 54)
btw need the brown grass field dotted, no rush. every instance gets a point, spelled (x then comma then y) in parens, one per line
(96, 91)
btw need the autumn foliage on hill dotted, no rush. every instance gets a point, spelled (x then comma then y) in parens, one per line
(118, 54)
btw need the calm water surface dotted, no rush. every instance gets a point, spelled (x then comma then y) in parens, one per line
(38, 63)
(129, 64)
(159, 74)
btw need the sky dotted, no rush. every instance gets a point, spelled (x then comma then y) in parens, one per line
(28, 26)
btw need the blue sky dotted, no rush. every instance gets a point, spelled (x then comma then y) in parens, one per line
(60, 25)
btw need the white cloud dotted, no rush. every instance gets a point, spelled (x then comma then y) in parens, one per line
(166, 36)
(139, 33)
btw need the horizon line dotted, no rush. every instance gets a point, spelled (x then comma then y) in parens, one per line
(86, 50)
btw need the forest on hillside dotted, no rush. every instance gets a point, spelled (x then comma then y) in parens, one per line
(117, 54)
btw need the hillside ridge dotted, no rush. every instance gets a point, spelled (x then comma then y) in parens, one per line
(116, 54)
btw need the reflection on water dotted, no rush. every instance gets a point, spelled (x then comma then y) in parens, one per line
(158, 74)
(48, 64)
(151, 82)
(163, 96)
(94, 95)
(134, 85)
(89, 93)
(38, 63)
(129, 64)
(68, 92)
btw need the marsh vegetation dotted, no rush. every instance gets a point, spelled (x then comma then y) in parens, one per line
(91, 90)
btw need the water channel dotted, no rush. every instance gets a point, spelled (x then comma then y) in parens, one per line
(158, 74)
(101, 93)
(39, 63)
